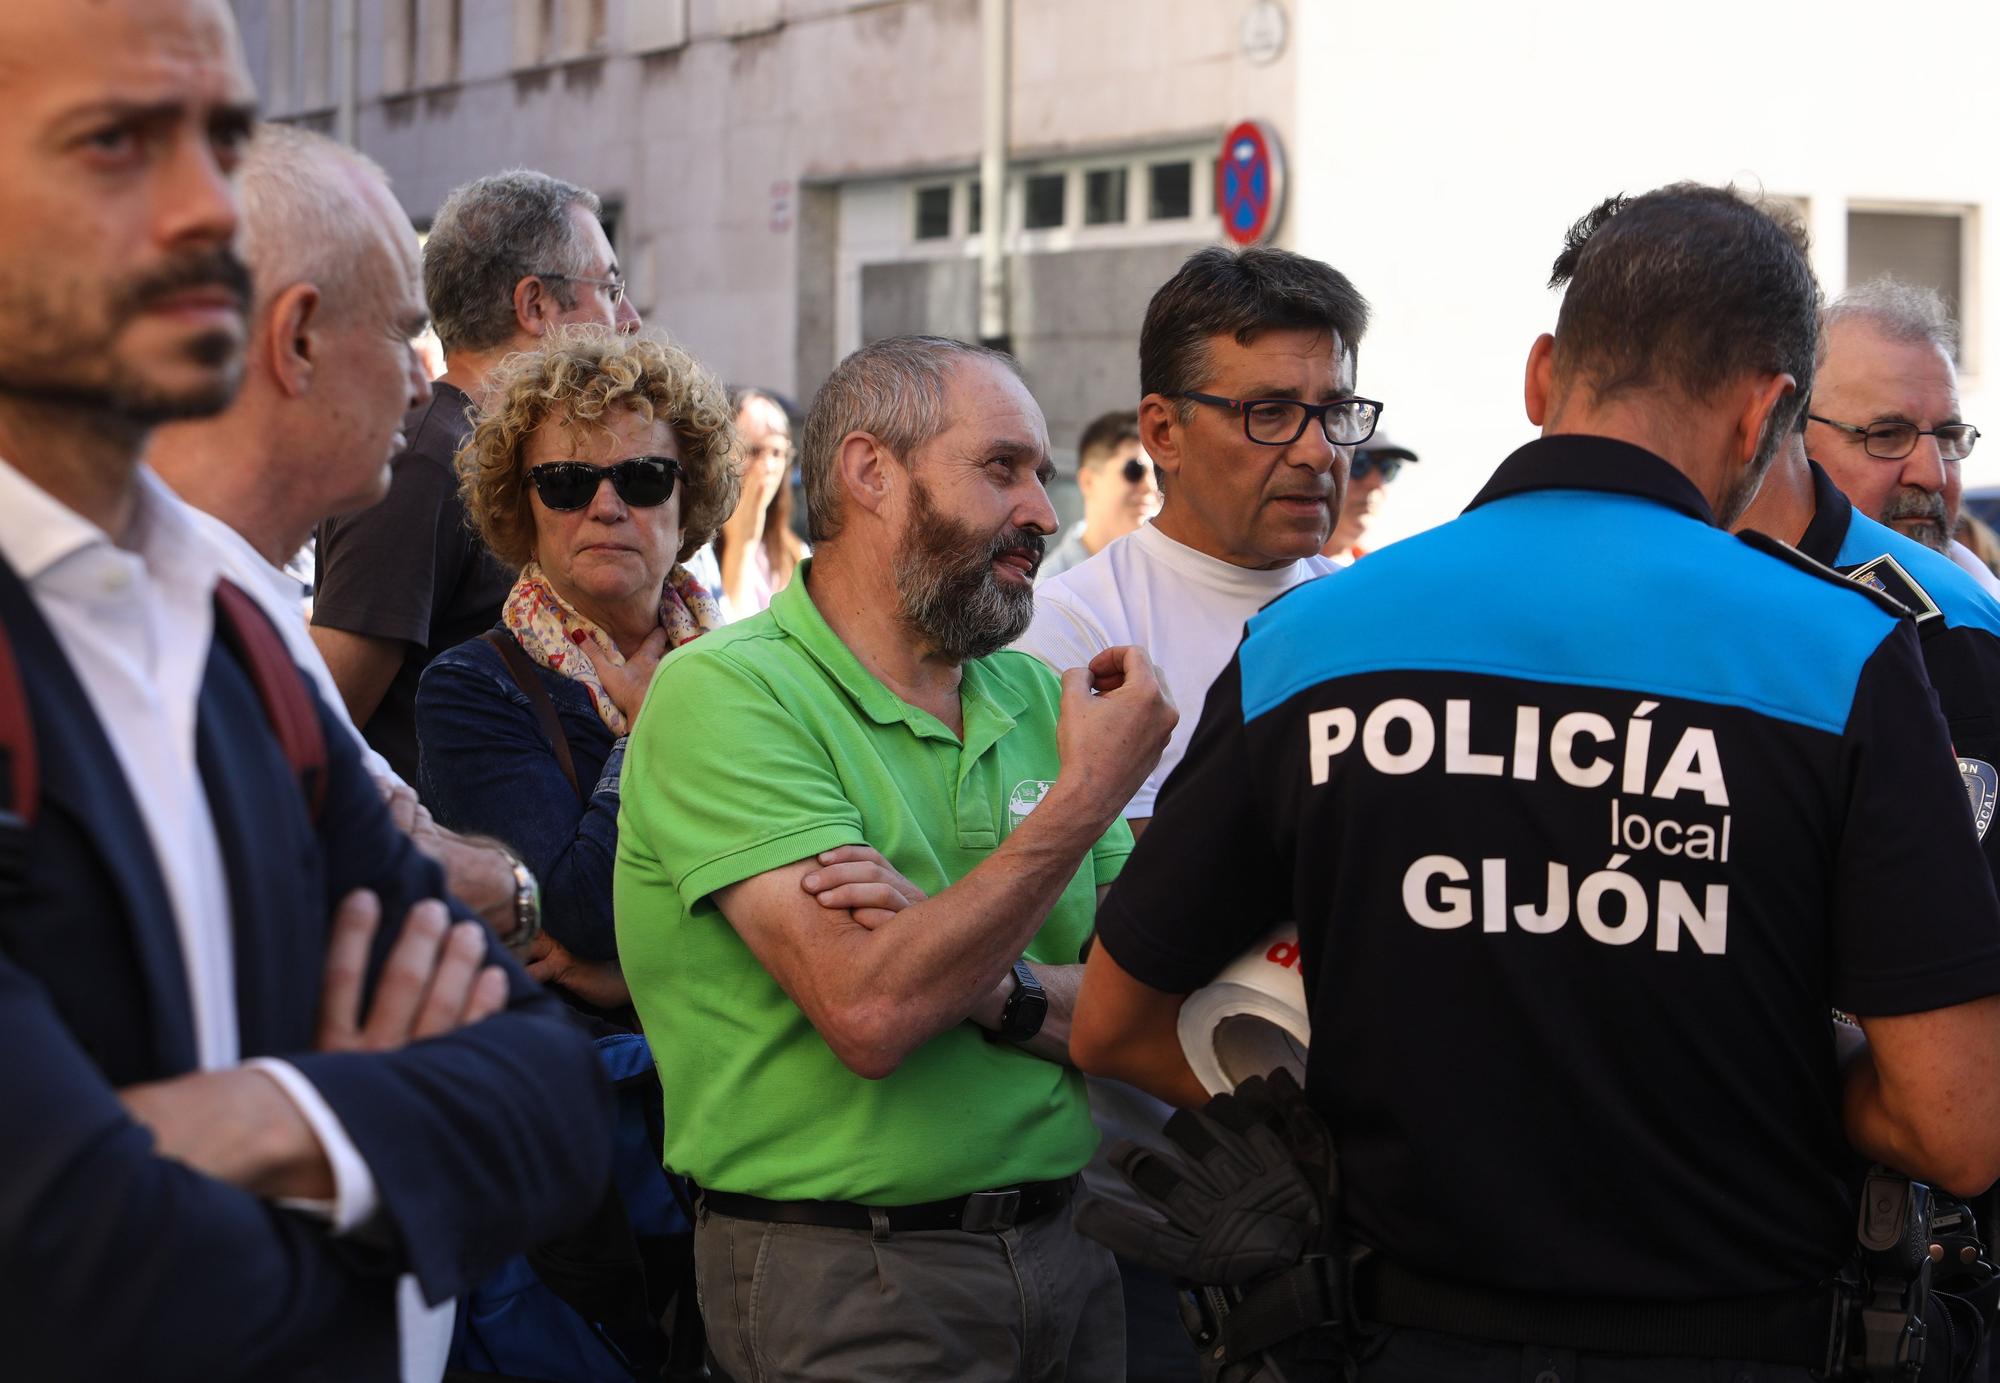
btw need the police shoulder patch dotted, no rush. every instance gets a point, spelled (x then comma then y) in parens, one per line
(1982, 791)
(1771, 547)
(1887, 575)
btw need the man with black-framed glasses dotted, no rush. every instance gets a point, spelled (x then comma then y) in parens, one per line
(509, 257)
(1246, 361)
(1376, 462)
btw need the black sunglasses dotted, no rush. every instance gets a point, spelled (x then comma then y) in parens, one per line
(1135, 470)
(1366, 461)
(641, 481)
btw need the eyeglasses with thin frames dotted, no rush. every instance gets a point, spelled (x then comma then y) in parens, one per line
(1894, 441)
(614, 289)
(1280, 422)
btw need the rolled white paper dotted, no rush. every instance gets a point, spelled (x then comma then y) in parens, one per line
(1251, 1019)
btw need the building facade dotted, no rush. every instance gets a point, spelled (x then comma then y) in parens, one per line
(785, 179)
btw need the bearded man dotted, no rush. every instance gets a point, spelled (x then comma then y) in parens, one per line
(875, 1045)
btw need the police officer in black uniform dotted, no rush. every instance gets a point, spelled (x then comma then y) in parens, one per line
(1958, 623)
(1588, 812)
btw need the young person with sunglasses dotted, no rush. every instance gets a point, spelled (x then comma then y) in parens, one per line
(1120, 491)
(1376, 462)
(602, 463)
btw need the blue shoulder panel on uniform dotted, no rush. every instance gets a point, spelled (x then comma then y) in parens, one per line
(1958, 597)
(1581, 588)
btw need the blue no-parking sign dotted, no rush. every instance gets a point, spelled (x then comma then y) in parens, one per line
(1250, 183)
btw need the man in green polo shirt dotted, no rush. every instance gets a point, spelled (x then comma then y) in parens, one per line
(866, 1067)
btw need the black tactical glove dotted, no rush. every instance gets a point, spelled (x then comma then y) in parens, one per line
(1235, 1203)
(1276, 1100)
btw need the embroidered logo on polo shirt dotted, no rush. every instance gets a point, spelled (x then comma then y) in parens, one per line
(1982, 791)
(1026, 796)
(1886, 575)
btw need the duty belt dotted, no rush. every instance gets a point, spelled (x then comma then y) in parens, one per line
(1779, 1328)
(982, 1212)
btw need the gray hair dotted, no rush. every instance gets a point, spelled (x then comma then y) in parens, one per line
(299, 222)
(489, 235)
(1906, 312)
(895, 390)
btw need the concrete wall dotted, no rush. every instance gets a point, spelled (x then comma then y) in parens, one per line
(1437, 150)
(1079, 345)
(720, 151)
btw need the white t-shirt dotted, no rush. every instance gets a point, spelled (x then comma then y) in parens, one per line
(1183, 607)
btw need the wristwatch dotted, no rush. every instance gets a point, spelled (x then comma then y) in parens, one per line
(527, 904)
(1021, 1017)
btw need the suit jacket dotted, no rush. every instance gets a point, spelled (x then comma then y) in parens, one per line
(116, 1263)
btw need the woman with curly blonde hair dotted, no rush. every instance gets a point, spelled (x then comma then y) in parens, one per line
(602, 463)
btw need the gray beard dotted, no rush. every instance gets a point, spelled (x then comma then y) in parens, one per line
(1910, 503)
(946, 593)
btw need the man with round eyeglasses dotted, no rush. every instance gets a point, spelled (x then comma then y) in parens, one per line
(1246, 361)
(1120, 491)
(1884, 420)
(1875, 497)
(1376, 462)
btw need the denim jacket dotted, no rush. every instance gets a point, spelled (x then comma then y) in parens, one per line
(487, 769)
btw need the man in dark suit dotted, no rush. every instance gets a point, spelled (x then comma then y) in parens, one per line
(255, 1070)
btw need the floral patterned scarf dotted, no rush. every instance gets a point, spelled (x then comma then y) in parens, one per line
(553, 632)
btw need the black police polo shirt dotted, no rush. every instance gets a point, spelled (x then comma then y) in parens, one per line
(1587, 812)
(1958, 627)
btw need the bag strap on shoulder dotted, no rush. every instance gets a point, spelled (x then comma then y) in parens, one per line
(522, 669)
(257, 645)
(280, 686)
(21, 772)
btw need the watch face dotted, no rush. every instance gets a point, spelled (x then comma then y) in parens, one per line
(1026, 1007)
(1034, 1008)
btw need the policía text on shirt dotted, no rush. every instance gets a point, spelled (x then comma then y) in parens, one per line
(1437, 891)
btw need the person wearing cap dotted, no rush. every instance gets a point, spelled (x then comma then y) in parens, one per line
(1376, 462)
(1247, 363)
(1119, 486)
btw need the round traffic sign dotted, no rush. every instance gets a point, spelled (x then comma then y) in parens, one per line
(1250, 182)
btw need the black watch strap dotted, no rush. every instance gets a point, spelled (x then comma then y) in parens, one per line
(1021, 1017)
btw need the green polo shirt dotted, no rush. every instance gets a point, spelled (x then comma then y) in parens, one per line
(764, 743)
